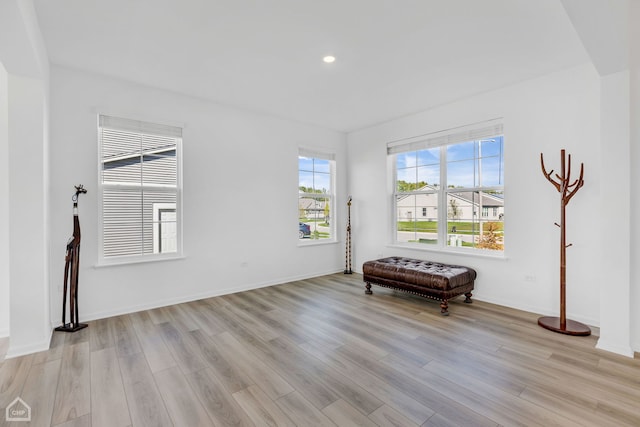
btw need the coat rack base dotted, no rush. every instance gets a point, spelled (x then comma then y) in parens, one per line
(571, 328)
(71, 327)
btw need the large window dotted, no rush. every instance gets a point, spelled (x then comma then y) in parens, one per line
(449, 189)
(316, 208)
(140, 188)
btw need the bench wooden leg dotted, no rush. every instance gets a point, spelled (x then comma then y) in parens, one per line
(468, 297)
(444, 307)
(368, 290)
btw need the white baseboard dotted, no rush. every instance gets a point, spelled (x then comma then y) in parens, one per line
(87, 317)
(537, 310)
(29, 348)
(622, 349)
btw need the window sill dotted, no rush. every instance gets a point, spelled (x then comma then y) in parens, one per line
(313, 242)
(450, 251)
(137, 260)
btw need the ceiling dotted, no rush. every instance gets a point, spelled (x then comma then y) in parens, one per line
(394, 57)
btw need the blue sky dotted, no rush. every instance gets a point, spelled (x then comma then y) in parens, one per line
(469, 164)
(315, 173)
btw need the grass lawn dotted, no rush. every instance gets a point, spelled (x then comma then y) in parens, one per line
(432, 226)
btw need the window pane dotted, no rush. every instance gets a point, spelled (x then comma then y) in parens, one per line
(153, 202)
(491, 171)
(321, 165)
(462, 151)
(462, 173)
(117, 143)
(491, 147)
(122, 171)
(428, 157)
(417, 218)
(122, 222)
(406, 160)
(321, 182)
(314, 217)
(140, 187)
(154, 143)
(406, 179)
(416, 170)
(428, 175)
(160, 168)
(305, 163)
(305, 179)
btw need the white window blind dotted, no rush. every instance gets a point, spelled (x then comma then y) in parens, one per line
(139, 169)
(451, 136)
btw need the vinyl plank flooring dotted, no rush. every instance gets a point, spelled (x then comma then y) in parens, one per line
(258, 372)
(73, 395)
(181, 401)
(219, 404)
(389, 394)
(83, 421)
(56, 345)
(302, 412)
(321, 352)
(153, 345)
(100, 335)
(262, 410)
(39, 391)
(146, 406)
(13, 375)
(183, 350)
(124, 336)
(343, 414)
(108, 401)
(386, 416)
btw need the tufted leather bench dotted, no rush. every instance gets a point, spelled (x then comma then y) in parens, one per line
(433, 280)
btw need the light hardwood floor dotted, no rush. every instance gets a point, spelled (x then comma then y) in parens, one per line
(320, 352)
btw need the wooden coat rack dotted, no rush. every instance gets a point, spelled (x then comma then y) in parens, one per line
(567, 189)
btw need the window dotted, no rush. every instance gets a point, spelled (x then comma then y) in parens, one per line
(140, 189)
(316, 207)
(459, 177)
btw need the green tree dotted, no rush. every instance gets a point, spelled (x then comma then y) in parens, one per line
(454, 210)
(326, 212)
(404, 186)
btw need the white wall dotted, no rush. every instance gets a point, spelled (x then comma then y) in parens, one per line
(25, 60)
(615, 264)
(240, 197)
(547, 114)
(4, 205)
(634, 41)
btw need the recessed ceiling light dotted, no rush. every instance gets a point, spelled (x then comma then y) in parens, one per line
(329, 59)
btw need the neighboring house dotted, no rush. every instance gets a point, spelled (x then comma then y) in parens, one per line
(311, 207)
(462, 206)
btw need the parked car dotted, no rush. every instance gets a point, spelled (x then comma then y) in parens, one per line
(305, 230)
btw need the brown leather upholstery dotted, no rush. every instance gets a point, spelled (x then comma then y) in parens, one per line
(429, 279)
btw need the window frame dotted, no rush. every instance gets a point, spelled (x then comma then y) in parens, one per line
(178, 191)
(442, 140)
(330, 194)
